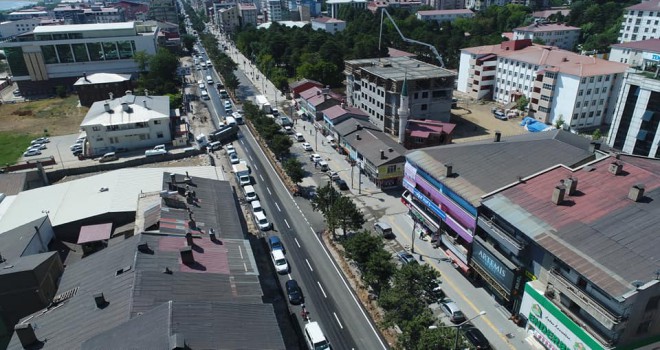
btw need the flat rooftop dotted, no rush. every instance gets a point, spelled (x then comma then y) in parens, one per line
(399, 68)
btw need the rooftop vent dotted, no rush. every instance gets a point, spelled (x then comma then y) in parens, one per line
(449, 170)
(26, 335)
(390, 149)
(571, 184)
(145, 104)
(382, 154)
(558, 194)
(106, 106)
(358, 127)
(357, 136)
(100, 301)
(144, 248)
(187, 255)
(636, 192)
(615, 168)
(177, 342)
(594, 146)
(498, 136)
(124, 106)
(128, 92)
(111, 95)
(189, 240)
(167, 271)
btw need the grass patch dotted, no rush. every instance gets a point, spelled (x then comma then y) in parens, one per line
(12, 146)
(52, 116)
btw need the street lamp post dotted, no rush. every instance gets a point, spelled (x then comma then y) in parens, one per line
(458, 327)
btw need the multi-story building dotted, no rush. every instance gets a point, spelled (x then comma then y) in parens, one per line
(100, 14)
(636, 125)
(126, 123)
(132, 10)
(247, 14)
(445, 184)
(374, 85)
(163, 11)
(446, 4)
(274, 10)
(228, 18)
(560, 85)
(10, 29)
(545, 14)
(57, 55)
(25, 14)
(551, 34)
(444, 15)
(641, 22)
(574, 252)
(643, 54)
(328, 24)
(69, 13)
(97, 87)
(334, 5)
(480, 5)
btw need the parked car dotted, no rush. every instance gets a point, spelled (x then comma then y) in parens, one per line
(38, 146)
(275, 243)
(31, 152)
(342, 184)
(315, 158)
(477, 338)
(156, 151)
(17, 92)
(406, 258)
(294, 292)
(230, 149)
(40, 140)
(500, 115)
(233, 158)
(77, 152)
(383, 229)
(307, 147)
(75, 147)
(108, 157)
(261, 221)
(452, 311)
(256, 206)
(281, 265)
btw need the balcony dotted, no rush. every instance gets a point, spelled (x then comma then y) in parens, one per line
(500, 235)
(590, 305)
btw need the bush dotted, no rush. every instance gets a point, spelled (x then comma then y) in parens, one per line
(60, 90)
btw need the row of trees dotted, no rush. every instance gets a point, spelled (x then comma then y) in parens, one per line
(268, 130)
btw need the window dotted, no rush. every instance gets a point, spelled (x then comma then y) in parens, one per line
(391, 169)
(581, 92)
(591, 80)
(64, 52)
(49, 54)
(600, 102)
(110, 51)
(125, 50)
(545, 98)
(425, 94)
(582, 115)
(416, 95)
(577, 105)
(588, 91)
(424, 107)
(593, 103)
(80, 52)
(95, 51)
(96, 128)
(596, 91)
(591, 114)
(160, 134)
(584, 80)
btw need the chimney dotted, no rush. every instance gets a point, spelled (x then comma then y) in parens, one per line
(448, 169)
(189, 239)
(358, 127)
(558, 194)
(111, 95)
(177, 342)
(106, 106)
(128, 92)
(100, 301)
(124, 106)
(498, 136)
(594, 146)
(357, 136)
(615, 168)
(382, 154)
(85, 77)
(144, 248)
(173, 179)
(343, 105)
(26, 335)
(571, 184)
(318, 92)
(145, 104)
(187, 255)
(636, 192)
(146, 93)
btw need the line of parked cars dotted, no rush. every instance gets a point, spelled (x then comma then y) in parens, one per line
(35, 147)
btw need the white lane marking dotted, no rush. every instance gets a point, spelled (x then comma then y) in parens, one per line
(309, 265)
(249, 156)
(337, 318)
(296, 239)
(245, 267)
(313, 232)
(327, 255)
(256, 167)
(261, 177)
(287, 223)
(240, 250)
(278, 207)
(242, 143)
(268, 189)
(288, 274)
(319, 283)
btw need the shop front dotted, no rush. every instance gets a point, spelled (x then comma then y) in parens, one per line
(500, 275)
(550, 327)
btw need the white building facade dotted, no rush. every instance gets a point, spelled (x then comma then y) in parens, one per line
(641, 22)
(643, 54)
(636, 126)
(57, 55)
(328, 24)
(558, 84)
(334, 5)
(551, 34)
(10, 29)
(274, 10)
(444, 15)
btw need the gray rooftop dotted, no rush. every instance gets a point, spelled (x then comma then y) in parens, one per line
(370, 142)
(399, 68)
(482, 167)
(351, 125)
(141, 109)
(14, 241)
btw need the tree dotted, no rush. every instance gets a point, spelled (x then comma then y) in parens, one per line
(294, 169)
(437, 338)
(349, 217)
(360, 246)
(522, 103)
(280, 145)
(188, 41)
(596, 135)
(142, 59)
(378, 270)
(325, 196)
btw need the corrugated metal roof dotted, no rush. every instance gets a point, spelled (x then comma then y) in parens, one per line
(14, 242)
(75, 200)
(482, 167)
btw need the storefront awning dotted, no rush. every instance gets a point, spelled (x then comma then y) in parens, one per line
(457, 261)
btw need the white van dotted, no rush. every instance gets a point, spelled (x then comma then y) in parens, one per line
(214, 146)
(261, 221)
(205, 95)
(323, 165)
(300, 137)
(209, 79)
(250, 195)
(315, 337)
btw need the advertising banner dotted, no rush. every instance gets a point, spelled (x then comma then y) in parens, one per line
(496, 268)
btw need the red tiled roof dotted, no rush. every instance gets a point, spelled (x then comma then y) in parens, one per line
(312, 91)
(337, 111)
(650, 45)
(94, 233)
(651, 5)
(422, 128)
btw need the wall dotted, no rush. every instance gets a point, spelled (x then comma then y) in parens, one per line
(565, 94)
(463, 71)
(128, 139)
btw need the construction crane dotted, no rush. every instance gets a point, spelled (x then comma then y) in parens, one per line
(380, 38)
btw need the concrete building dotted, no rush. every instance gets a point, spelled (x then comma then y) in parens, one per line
(641, 22)
(328, 24)
(334, 5)
(560, 85)
(446, 4)
(338, 114)
(86, 14)
(636, 126)
(10, 29)
(133, 11)
(274, 10)
(127, 123)
(98, 86)
(163, 11)
(581, 273)
(551, 34)
(445, 184)
(374, 85)
(57, 55)
(26, 14)
(444, 15)
(228, 19)
(643, 54)
(427, 133)
(481, 5)
(247, 14)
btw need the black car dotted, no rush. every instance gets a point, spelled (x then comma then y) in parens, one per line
(477, 338)
(342, 184)
(294, 292)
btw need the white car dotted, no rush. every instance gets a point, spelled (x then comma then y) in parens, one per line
(233, 158)
(230, 149)
(307, 147)
(315, 158)
(261, 221)
(201, 86)
(40, 140)
(31, 152)
(281, 265)
(75, 147)
(37, 146)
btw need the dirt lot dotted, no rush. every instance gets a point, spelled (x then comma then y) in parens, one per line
(58, 116)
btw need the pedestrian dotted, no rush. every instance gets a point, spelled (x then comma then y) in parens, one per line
(303, 127)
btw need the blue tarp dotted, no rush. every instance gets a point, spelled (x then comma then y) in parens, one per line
(533, 125)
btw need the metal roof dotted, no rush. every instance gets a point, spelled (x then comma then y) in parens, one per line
(13, 242)
(68, 28)
(485, 166)
(140, 109)
(102, 78)
(26, 263)
(596, 228)
(94, 233)
(369, 143)
(75, 200)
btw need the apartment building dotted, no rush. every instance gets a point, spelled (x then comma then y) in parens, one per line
(446, 4)
(560, 85)
(328, 24)
(374, 85)
(480, 5)
(641, 22)
(10, 29)
(57, 55)
(163, 10)
(582, 274)
(133, 10)
(334, 5)
(228, 18)
(25, 14)
(643, 54)
(636, 126)
(274, 10)
(551, 34)
(444, 15)
(126, 123)
(247, 14)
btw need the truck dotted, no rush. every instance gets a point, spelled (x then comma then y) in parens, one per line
(224, 134)
(242, 173)
(201, 140)
(262, 103)
(239, 117)
(231, 121)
